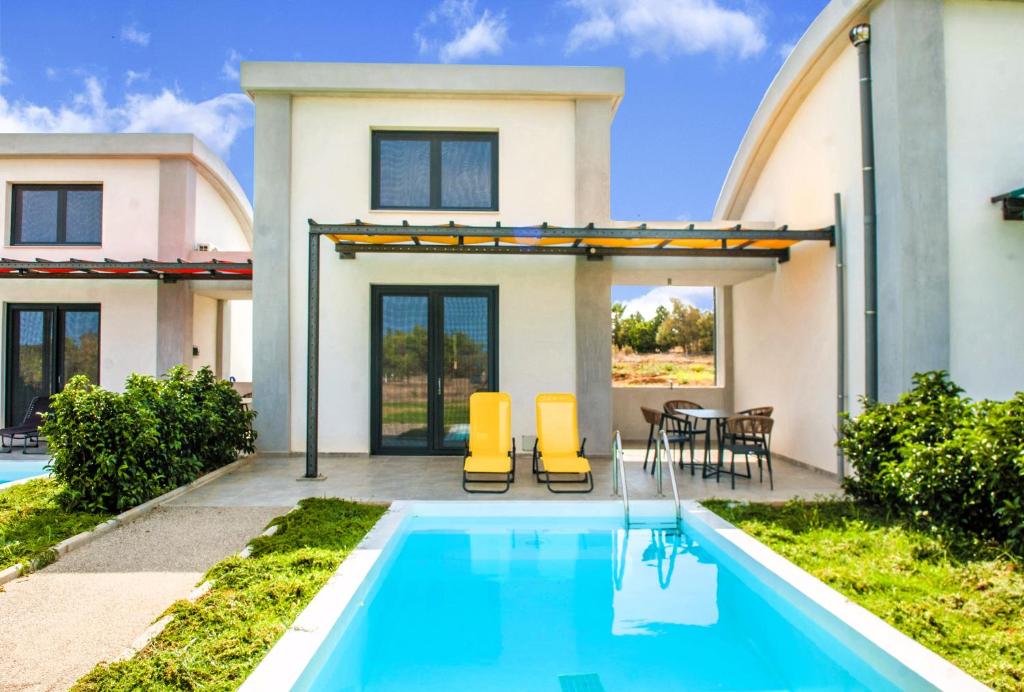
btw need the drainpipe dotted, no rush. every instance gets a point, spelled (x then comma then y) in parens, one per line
(860, 36)
(841, 403)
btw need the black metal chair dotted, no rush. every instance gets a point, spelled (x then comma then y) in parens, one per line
(762, 411)
(683, 428)
(677, 430)
(28, 430)
(747, 435)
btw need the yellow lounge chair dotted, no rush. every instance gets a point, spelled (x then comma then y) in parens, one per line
(555, 452)
(491, 451)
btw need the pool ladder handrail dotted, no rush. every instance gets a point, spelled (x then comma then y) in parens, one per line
(662, 443)
(619, 475)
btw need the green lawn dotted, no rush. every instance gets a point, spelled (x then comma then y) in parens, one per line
(965, 602)
(31, 522)
(214, 643)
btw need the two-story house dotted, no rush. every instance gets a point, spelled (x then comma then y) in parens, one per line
(476, 250)
(433, 230)
(121, 253)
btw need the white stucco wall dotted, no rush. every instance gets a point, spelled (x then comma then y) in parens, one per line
(127, 320)
(131, 191)
(784, 339)
(331, 183)
(237, 342)
(535, 335)
(216, 223)
(985, 158)
(204, 331)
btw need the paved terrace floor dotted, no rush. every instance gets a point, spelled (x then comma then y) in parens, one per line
(272, 480)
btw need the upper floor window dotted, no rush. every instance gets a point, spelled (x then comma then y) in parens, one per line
(435, 170)
(56, 214)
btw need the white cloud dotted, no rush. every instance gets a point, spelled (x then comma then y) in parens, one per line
(217, 121)
(469, 34)
(133, 34)
(666, 27)
(132, 76)
(229, 70)
(51, 73)
(4, 79)
(648, 303)
(785, 49)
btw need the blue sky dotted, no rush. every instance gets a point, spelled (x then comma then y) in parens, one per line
(695, 69)
(646, 299)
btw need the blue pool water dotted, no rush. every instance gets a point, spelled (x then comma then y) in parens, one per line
(560, 605)
(16, 470)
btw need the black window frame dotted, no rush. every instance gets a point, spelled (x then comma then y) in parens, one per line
(435, 295)
(55, 357)
(435, 138)
(62, 212)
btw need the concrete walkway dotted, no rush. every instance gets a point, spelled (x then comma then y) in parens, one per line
(56, 624)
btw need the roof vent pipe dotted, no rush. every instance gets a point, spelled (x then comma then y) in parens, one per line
(860, 37)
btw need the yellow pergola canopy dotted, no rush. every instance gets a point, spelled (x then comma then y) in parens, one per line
(357, 236)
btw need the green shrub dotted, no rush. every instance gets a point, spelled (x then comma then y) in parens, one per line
(946, 462)
(112, 451)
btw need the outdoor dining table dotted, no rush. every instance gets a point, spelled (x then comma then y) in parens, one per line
(717, 416)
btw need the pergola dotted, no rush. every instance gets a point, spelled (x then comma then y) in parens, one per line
(114, 269)
(590, 241)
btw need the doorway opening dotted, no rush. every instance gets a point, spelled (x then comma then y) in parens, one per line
(431, 348)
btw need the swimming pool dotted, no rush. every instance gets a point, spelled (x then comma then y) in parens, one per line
(489, 597)
(19, 470)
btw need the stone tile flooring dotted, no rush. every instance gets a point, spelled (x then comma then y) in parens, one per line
(272, 480)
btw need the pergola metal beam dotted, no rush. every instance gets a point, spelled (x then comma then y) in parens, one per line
(348, 249)
(569, 234)
(109, 269)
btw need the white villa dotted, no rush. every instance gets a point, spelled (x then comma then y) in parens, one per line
(378, 157)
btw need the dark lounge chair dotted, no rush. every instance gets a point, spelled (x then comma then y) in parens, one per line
(27, 432)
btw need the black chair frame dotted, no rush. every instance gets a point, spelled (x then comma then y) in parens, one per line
(553, 479)
(503, 479)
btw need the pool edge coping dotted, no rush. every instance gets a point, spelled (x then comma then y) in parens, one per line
(21, 481)
(289, 657)
(918, 658)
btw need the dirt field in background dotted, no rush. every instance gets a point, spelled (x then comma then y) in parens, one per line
(662, 369)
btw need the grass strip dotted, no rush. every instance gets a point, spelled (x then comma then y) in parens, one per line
(32, 522)
(964, 601)
(214, 643)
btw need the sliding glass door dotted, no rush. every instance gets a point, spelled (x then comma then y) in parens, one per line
(46, 346)
(432, 347)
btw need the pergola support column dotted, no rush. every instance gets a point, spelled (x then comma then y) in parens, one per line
(313, 360)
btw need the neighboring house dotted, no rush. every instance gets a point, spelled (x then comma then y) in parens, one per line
(415, 314)
(121, 253)
(949, 136)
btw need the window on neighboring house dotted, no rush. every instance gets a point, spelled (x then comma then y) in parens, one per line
(435, 170)
(56, 214)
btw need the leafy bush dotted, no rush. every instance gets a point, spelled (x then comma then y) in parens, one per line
(946, 462)
(112, 451)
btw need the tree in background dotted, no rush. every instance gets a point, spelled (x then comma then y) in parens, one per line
(618, 340)
(685, 327)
